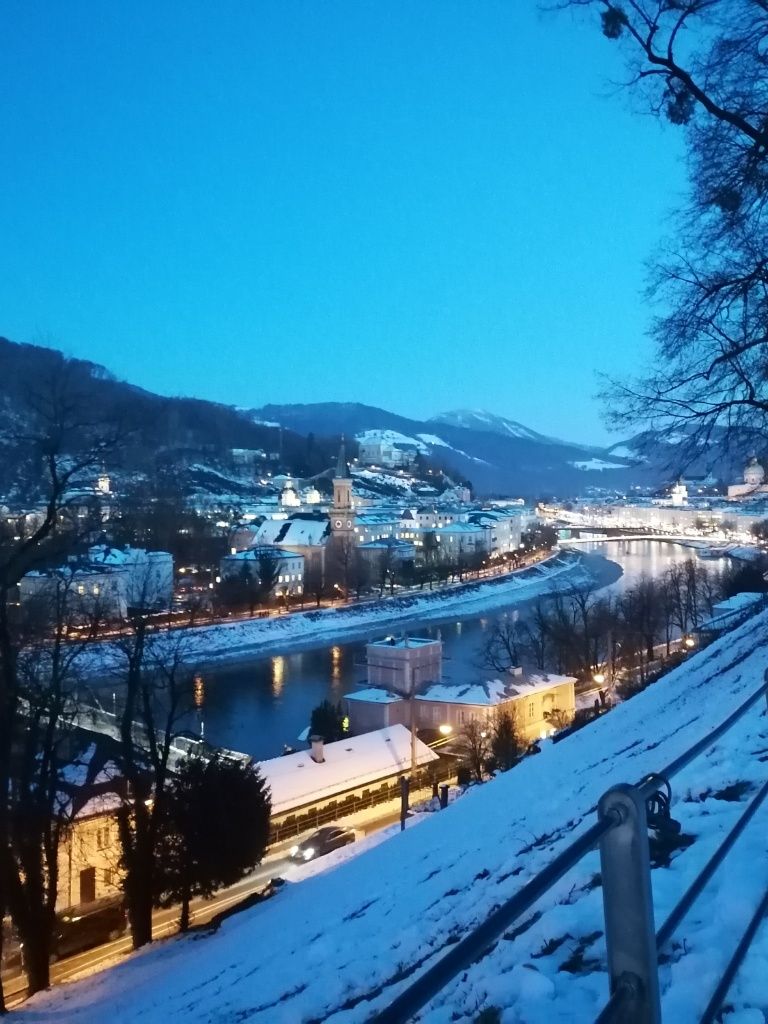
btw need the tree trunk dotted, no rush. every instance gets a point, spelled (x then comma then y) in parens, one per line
(138, 891)
(184, 917)
(140, 917)
(37, 955)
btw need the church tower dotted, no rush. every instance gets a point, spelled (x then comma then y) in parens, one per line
(341, 513)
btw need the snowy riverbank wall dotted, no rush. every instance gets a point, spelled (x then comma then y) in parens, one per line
(258, 638)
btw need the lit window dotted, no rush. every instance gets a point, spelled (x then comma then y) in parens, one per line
(80, 588)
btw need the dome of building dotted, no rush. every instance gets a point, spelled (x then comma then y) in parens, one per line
(289, 497)
(754, 474)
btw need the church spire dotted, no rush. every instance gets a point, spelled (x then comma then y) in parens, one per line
(342, 466)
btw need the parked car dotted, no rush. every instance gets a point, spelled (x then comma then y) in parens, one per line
(90, 924)
(324, 840)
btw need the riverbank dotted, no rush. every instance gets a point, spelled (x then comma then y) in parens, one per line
(213, 645)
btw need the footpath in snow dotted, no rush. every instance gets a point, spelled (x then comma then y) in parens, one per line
(339, 946)
(254, 638)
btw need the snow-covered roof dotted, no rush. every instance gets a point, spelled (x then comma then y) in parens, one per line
(400, 641)
(373, 695)
(261, 551)
(297, 530)
(296, 780)
(492, 691)
(737, 603)
(388, 543)
(458, 528)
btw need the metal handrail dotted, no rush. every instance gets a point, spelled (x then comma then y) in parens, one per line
(718, 996)
(695, 889)
(472, 946)
(479, 940)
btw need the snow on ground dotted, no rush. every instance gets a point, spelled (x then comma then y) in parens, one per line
(300, 872)
(434, 440)
(337, 947)
(390, 437)
(314, 628)
(401, 483)
(595, 464)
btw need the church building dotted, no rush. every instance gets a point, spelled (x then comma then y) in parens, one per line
(754, 482)
(341, 512)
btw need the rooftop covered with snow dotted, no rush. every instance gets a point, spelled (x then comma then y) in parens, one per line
(296, 780)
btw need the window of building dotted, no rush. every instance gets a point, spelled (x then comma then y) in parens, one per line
(531, 710)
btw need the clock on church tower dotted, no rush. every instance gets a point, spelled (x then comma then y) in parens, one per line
(342, 513)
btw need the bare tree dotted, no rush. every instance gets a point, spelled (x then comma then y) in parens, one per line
(473, 745)
(700, 64)
(505, 644)
(156, 683)
(506, 740)
(65, 436)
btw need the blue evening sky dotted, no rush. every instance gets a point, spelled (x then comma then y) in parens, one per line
(420, 205)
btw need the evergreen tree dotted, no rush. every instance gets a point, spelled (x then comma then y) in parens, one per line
(506, 741)
(327, 721)
(215, 830)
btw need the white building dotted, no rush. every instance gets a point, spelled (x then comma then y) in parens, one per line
(150, 574)
(77, 592)
(289, 579)
(754, 482)
(505, 528)
(462, 540)
(390, 454)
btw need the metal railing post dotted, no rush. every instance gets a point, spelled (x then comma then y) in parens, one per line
(630, 933)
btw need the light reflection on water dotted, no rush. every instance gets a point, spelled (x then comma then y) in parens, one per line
(259, 706)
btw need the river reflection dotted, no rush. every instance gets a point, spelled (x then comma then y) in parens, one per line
(259, 706)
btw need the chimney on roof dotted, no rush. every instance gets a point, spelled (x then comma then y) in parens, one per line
(316, 752)
(516, 670)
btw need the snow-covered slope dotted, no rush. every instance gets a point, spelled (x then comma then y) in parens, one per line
(337, 947)
(481, 419)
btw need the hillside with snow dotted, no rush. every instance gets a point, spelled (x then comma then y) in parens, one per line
(339, 946)
(498, 455)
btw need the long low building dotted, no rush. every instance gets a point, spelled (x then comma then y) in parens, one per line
(334, 777)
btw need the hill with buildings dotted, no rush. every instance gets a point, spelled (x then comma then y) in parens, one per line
(498, 455)
(225, 451)
(342, 944)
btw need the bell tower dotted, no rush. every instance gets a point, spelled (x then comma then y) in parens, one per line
(342, 511)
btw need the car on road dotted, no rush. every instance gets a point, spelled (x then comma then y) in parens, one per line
(324, 840)
(87, 925)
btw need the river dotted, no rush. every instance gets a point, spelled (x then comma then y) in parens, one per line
(258, 706)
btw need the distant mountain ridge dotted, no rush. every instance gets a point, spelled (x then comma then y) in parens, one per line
(481, 419)
(499, 455)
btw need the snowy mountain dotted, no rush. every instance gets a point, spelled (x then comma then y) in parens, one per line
(337, 947)
(479, 419)
(498, 455)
